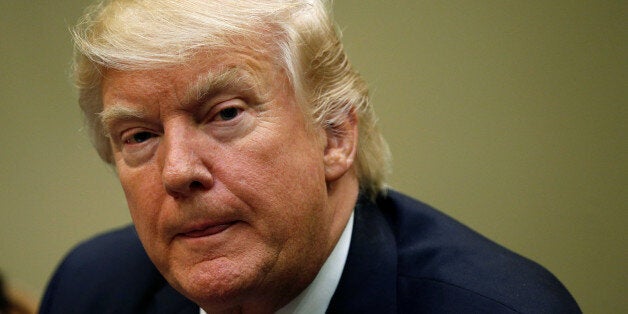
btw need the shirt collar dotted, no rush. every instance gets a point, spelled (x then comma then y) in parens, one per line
(315, 298)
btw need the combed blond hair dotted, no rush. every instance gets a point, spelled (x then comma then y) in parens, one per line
(148, 34)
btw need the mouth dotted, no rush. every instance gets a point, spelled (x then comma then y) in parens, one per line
(206, 230)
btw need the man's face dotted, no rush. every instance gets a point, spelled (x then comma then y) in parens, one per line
(223, 175)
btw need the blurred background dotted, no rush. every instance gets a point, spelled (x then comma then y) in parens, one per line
(508, 115)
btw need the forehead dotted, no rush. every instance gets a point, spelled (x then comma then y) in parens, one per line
(209, 68)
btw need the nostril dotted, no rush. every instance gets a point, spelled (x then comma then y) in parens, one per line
(196, 185)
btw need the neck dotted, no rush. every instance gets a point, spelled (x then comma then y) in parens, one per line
(342, 196)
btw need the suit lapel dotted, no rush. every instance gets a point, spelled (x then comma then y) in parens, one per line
(168, 300)
(369, 279)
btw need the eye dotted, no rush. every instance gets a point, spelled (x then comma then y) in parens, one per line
(139, 137)
(228, 113)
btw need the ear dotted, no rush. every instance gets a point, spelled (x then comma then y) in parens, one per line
(341, 147)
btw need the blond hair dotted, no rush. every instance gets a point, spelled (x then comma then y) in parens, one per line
(148, 34)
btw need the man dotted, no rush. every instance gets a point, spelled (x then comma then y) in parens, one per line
(248, 153)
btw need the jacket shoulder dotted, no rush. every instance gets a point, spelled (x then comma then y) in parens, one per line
(445, 265)
(108, 273)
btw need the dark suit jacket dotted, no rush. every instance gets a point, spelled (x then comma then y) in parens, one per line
(404, 257)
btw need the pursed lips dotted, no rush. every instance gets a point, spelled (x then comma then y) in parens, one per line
(206, 229)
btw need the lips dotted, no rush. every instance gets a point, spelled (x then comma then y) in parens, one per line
(206, 230)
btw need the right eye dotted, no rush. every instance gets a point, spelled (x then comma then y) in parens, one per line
(138, 138)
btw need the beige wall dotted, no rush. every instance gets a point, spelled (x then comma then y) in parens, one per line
(508, 115)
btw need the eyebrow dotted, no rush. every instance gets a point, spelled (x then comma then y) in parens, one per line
(212, 83)
(118, 113)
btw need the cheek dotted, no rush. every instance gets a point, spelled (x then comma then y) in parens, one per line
(142, 191)
(281, 160)
(281, 178)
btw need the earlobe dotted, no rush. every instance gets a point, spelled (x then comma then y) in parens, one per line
(341, 147)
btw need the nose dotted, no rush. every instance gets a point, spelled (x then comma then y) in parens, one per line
(185, 168)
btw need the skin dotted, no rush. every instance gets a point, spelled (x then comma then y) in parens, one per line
(237, 198)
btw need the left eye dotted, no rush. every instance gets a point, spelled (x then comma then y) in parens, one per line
(228, 113)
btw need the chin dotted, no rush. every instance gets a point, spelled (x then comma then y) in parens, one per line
(219, 283)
